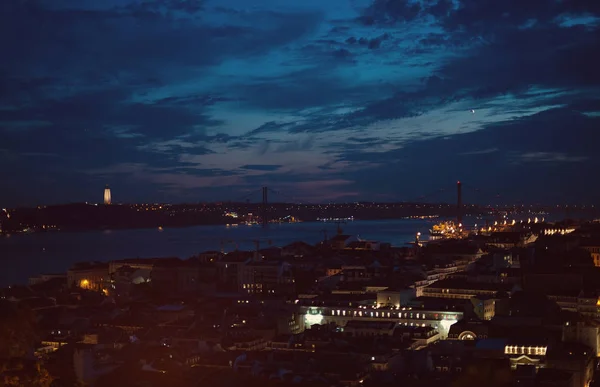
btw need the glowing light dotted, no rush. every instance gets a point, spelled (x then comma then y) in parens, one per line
(445, 325)
(84, 284)
(313, 319)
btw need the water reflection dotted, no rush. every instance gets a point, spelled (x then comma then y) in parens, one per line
(22, 255)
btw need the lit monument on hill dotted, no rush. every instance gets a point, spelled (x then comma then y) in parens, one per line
(107, 199)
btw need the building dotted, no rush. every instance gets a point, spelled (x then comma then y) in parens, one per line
(40, 279)
(525, 352)
(583, 332)
(486, 307)
(142, 263)
(124, 280)
(297, 250)
(395, 298)
(363, 245)
(88, 275)
(183, 277)
(107, 197)
(575, 358)
(464, 289)
(593, 247)
(340, 241)
(510, 239)
(209, 256)
(265, 278)
(440, 320)
(358, 328)
(228, 269)
(432, 274)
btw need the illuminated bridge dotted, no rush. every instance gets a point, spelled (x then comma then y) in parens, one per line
(266, 192)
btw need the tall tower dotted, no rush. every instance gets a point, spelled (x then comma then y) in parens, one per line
(265, 203)
(107, 199)
(459, 202)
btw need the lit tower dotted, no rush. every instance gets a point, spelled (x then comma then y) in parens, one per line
(107, 199)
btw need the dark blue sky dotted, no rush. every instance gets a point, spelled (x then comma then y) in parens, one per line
(188, 100)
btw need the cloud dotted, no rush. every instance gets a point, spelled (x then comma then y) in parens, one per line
(520, 158)
(261, 167)
(547, 157)
(480, 152)
(202, 99)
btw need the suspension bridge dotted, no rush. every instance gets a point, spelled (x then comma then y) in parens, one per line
(265, 193)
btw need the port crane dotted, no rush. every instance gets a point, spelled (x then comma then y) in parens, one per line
(339, 230)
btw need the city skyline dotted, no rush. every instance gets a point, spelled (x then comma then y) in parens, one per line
(339, 101)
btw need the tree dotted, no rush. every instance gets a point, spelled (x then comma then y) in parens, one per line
(18, 336)
(23, 372)
(17, 330)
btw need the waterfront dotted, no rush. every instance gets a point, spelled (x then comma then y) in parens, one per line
(26, 255)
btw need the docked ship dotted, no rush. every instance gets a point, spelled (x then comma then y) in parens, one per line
(444, 229)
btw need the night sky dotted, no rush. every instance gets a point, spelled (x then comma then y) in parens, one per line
(322, 100)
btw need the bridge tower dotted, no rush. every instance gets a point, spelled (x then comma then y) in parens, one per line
(265, 203)
(459, 202)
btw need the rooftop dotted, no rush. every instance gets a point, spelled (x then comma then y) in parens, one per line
(461, 283)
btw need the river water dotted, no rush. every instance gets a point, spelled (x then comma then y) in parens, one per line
(26, 255)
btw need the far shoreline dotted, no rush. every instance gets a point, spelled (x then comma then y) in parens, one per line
(240, 225)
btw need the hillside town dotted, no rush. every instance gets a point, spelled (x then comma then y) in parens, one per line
(506, 305)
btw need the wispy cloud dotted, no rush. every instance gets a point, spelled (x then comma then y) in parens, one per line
(547, 157)
(480, 152)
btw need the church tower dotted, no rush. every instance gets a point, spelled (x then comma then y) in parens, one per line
(107, 199)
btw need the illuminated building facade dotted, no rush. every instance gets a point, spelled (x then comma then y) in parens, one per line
(341, 315)
(593, 247)
(526, 355)
(107, 197)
